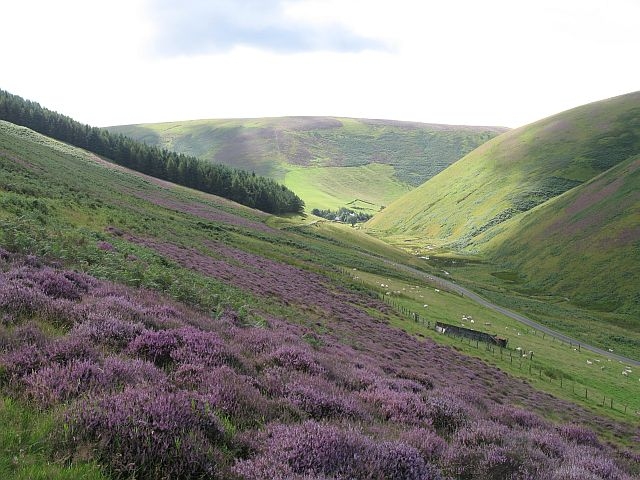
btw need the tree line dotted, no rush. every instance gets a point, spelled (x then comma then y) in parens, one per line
(238, 185)
(344, 215)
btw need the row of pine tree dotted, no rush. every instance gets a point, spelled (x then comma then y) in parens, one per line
(238, 185)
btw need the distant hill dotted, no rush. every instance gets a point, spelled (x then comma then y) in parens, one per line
(328, 161)
(558, 200)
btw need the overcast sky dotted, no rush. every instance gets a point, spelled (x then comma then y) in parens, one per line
(474, 62)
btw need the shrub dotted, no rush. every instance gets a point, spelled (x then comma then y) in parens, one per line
(147, 433)
(230, 393)
(107, 331)
(512, 416)
(59, 383)
(446, 413)
(316, 449)
(321, 400)
(578, 434)
(294, 358)
(155, 347)
(427, 442)
(397, 406)
(67, 349)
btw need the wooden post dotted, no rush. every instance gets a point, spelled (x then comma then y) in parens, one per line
(586, 394)
(612, 404)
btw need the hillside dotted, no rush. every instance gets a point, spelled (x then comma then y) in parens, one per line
(231, 183)
(328, 161)
(154, 331)
(585, 243)
(472, 201)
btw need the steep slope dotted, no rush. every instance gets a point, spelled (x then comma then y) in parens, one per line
(235, 184)
(584, 244)
(243, 354)
(515, 172)
(327, 161)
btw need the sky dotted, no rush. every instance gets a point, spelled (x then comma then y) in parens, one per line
(464, 62)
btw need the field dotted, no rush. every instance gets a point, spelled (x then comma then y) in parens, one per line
(149, 330)
(370, 187)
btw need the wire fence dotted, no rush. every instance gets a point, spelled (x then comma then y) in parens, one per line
(513, 359)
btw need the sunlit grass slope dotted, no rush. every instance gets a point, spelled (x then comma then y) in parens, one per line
(328, 161)
(515, 172)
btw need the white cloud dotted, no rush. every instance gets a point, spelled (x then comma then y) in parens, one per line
(495, 62)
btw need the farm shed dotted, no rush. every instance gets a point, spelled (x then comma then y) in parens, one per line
(448, 329)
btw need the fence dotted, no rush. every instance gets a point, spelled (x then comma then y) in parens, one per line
(509, 356)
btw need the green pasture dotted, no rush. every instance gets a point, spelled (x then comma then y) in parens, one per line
(374, 186)
(551, 361)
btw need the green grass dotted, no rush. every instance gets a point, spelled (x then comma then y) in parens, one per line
(539, 200)
(25, 447)
(325, 160)
(551, 359)
(334, 187)
(535, 162)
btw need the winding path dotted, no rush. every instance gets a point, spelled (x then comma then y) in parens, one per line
(454, 287)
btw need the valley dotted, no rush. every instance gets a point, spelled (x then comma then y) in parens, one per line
(247, 343)
(328, 161)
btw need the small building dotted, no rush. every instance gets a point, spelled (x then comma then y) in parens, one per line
(455, 330)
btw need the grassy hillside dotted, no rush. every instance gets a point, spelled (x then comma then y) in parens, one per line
(148, 330)
(555, 201)
(384, 158)
(585, 243)
(515, 172)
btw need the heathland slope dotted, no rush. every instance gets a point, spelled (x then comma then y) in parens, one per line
(150, 330)
(515, 172)
(328, 161)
